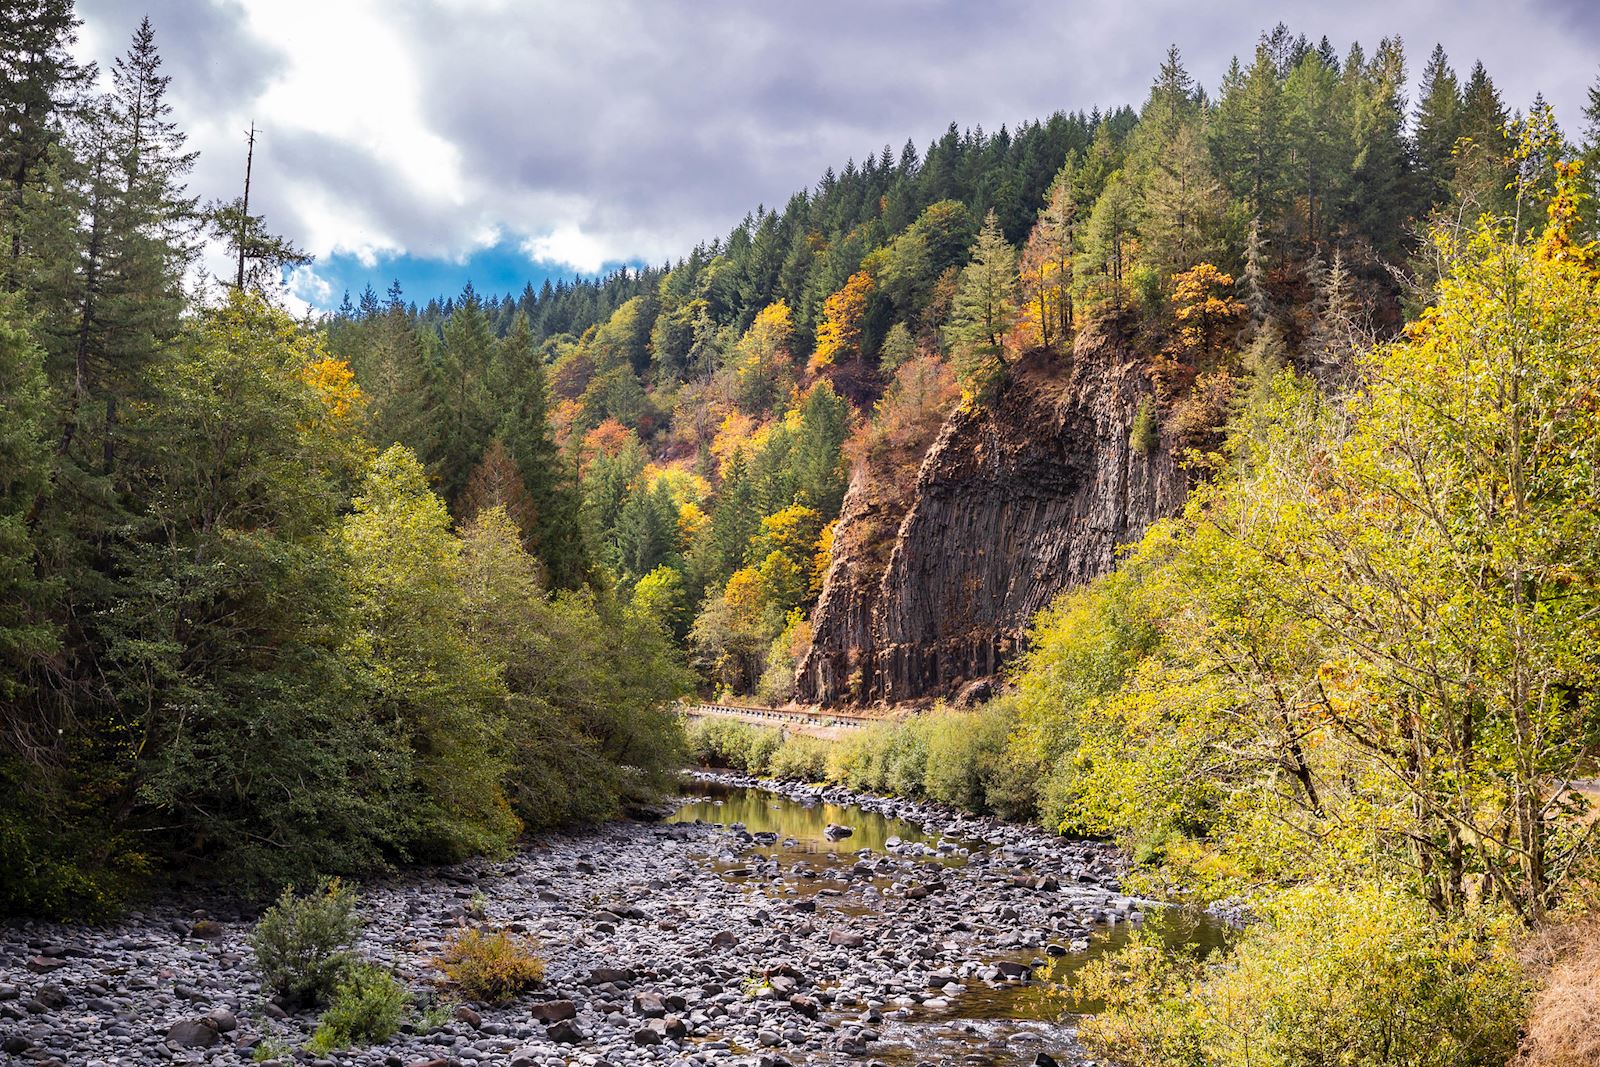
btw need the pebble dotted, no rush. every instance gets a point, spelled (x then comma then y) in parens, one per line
(684, 944)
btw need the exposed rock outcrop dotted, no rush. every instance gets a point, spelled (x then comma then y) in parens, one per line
(933, 584)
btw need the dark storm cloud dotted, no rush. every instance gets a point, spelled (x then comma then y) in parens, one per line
(646, 125)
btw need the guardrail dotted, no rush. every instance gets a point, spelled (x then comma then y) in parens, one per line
(779, 715)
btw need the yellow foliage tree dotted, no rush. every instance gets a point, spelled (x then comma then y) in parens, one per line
(335, 383)
(842, 315)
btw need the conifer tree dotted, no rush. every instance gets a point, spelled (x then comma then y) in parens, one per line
(985, 303)
(1109, 237)
(1482, 171)
(38, 96)
(1438, 125)
(1047, 262)
(24, 476)
(556, 536)
(1184, 206)
(1247, 133)
(1323, 152)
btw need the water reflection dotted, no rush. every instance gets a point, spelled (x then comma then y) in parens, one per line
(1054, 991)
(763, 812)
(982, 1024)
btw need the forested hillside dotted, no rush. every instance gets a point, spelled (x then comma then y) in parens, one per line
(707, 415)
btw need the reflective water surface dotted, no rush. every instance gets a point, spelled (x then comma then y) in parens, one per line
(981, 1025)
(762, 812)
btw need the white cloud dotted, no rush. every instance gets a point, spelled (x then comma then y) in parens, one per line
(305, 284)
(570, 246)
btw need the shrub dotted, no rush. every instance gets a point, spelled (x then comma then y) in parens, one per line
(1142, 438)
(1330, 977)
(858, 759)
(738, 745)
(968, 764)
(491, 967)
(302, 944)
(761, 743)
(905, 758)
(368, 1006)
(801, 759)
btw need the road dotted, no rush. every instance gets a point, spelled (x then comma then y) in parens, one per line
(829, 725)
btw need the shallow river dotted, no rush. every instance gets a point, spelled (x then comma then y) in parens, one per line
(984, 1023)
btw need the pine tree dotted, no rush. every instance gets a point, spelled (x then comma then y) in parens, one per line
(1438, 125)
(1047, 262)
(557, 535)
(25, 420)
(261, 255)
(1247, 134)
(1482, 171)
(985, 303)
(142, 233)
(1380, 186)
(38, 97)
(1184, 206)
(1109, 237)
(464, 418)
(1323, 153)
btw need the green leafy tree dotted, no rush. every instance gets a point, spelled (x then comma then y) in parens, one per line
(412, 655)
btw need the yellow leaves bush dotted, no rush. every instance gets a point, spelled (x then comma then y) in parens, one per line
(491, 967)
(1329, 975)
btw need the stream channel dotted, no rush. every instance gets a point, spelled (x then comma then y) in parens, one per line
(788, 854)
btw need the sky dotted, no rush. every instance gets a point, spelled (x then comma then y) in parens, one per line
(508, 141)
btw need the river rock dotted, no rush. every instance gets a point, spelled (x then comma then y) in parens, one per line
(551, 1011)
(192, 1033)
(564, 1032)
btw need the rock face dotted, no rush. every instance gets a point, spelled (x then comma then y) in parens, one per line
(931, 590)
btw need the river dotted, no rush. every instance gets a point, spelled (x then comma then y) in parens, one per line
(749, 928)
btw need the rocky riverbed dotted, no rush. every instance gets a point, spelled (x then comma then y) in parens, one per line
(908, 940)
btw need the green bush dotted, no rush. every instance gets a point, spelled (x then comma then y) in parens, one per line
(303, 944)
(740, 746)
(1330, 977)
(969, 764)
(858, 759)
(1142, 438)
(368, 1006)
(491, 967)
(905, 758)
(801, 759)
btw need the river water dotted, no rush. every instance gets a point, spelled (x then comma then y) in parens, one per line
(983, 1023)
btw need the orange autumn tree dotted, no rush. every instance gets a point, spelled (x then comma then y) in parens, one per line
(839, 335)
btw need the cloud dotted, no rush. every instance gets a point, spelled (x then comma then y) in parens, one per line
(628, 130)
(304, 283)
(569, 246)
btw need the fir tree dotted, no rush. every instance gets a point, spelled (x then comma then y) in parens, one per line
(1438, 125)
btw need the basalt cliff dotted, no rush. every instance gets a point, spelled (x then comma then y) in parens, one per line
(933, 581)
